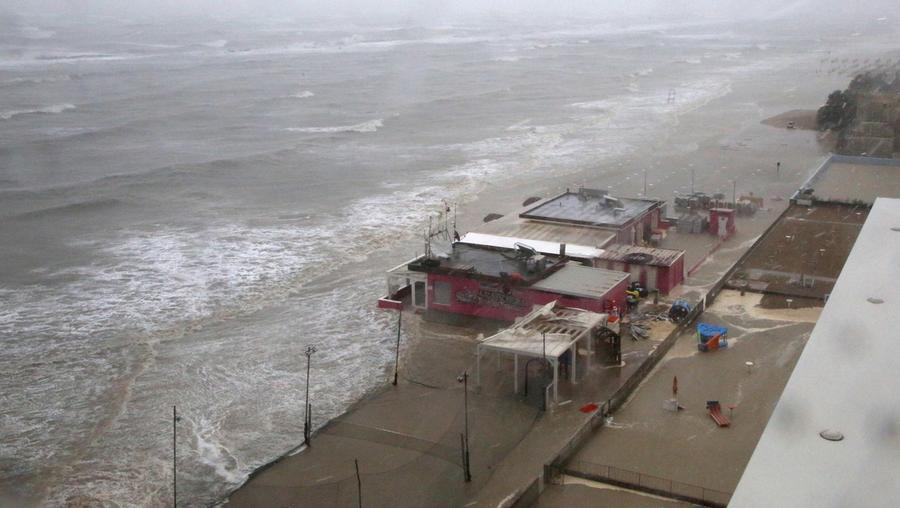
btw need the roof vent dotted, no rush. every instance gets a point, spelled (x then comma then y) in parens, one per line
(831, 435)
(638, 258)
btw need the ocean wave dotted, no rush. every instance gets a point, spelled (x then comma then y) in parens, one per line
(69, 210)
(303, 94)
(686, 96)
(642, 73)
(221, 43)
(46, 110)
(37, 80)
(33, 32)
(370, 126)
(66, 57)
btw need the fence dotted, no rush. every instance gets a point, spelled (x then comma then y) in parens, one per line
(647, 483)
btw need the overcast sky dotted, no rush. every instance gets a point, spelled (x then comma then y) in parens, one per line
(437, 11)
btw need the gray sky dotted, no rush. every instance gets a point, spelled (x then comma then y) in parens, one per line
(436, 11)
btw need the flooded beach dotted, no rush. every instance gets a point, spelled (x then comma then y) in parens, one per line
(183, 209)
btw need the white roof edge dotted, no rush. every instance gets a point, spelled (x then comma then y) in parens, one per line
(847, 380)
(542, 246)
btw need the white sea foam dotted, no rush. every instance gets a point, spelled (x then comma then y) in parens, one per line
(220, 43)
(303, 94)
(370, 126)
(53, 109)
(643, 72)
(36, 80)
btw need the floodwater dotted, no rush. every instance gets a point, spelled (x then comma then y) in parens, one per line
(184, 208)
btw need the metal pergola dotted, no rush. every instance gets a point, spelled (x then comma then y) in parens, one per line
(546, 332)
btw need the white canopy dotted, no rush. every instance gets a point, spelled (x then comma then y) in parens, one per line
(547, 332)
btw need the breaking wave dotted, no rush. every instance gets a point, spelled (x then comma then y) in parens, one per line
(370, 126)
(47, 110)
(35, 80)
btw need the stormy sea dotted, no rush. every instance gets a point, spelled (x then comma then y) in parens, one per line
(184, 207)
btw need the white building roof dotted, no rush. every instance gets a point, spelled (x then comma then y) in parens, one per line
(542, 246)
(847, 379)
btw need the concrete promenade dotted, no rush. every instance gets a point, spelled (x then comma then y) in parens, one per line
(407, 438)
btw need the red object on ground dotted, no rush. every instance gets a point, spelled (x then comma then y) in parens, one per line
(589, 408)
(715, 412)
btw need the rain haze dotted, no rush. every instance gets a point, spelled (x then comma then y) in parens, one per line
(192, 192)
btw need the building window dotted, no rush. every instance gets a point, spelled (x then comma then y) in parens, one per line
(442, 293)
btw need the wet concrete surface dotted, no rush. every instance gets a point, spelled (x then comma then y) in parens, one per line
(688, 446)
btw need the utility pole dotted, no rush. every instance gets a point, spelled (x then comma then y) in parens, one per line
(692, 181)
(307, 423)
(175, 420)
(734, 193)
(464, 379)
(397, 352)
(645, 183)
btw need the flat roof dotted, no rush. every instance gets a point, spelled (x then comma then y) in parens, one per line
(845, 380)
(590, 207)
(514, 226)
(542, 246)
(485, 261)
(637, 255)
(575, 279)
(846, 178)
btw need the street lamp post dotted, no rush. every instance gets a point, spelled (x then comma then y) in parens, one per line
(464, 379)
(307, 423)
(397, 352)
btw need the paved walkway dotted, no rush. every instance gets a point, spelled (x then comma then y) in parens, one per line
(407, 438)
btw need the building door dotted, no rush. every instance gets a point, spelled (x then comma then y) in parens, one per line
(723, 226)
(419, 300)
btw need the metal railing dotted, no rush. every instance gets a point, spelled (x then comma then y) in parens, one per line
(635, 480)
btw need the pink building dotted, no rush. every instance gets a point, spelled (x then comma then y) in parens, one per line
(661, 269)
(502, 285)
(721, 222)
